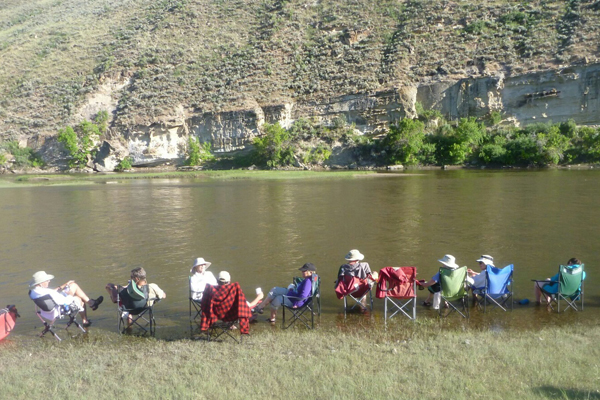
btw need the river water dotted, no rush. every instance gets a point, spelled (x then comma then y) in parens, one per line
(262, 231)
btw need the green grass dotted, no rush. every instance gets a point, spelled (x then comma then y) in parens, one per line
(425, 360)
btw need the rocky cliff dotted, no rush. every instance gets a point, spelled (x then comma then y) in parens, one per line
(218, 70)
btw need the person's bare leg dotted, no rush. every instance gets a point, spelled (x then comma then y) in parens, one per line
(256, 301)
(83, 312)
(273, 314)
(112, 291)
(76, 291)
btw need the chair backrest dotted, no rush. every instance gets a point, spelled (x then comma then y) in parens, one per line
(127, 302)
(397, 282)
(498, 279)
(45, 303)
(452, 282)
(569, 279)
(316, 285)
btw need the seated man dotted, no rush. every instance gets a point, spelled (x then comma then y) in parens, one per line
(200, 277)
(225, 302)
(552, 286)
(64, 295)
(137, 292)
(354, 277)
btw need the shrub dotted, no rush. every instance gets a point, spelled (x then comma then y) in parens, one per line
(102, 120)
(25, 157)
(274, 148)
(80, 143)
(124, 164)
(404, 142)
(198, 153)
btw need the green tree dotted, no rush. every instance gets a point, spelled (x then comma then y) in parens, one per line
(274, 148)
(404, 142)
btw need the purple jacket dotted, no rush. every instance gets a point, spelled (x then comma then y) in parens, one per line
(302, 293)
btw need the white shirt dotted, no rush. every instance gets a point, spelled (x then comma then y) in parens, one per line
(58, 297)
(199, 281)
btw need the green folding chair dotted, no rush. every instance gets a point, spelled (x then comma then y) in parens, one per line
(568, 287)
(453, 289)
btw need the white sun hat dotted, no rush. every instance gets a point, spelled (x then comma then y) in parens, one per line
(487, 260)
(449, 261)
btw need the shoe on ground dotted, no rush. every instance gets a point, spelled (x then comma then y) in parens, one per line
(94, 303)
(257, 310)
(86, 324)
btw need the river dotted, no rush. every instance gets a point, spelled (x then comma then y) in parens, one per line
(262, 231)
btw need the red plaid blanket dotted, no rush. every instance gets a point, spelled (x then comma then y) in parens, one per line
(226, 303)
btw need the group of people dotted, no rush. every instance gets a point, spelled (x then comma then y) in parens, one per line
(137, 294)
(351, 275)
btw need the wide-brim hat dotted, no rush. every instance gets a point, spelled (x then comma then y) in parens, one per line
(40, 277)
(487, 260)
(224, 277)
(308, 267)
(449, 261)
(354, 255)
(201, 261)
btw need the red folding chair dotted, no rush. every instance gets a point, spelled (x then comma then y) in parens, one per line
(398, 287)
(223, 307)
(355, 288)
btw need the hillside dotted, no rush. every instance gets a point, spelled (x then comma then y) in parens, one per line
(160, 62)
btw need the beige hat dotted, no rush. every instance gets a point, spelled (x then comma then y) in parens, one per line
(449, 261)
(224, 277)
(40, 277)
(201, 261)
(354, 255)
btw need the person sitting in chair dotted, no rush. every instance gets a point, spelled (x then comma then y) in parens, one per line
(480, 277)
(300, 292)
(137, 292)
(200, 278)
(64, 295)
(354, 277)
(552, 287)
(433, 285)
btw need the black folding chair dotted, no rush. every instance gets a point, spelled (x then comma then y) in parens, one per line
(140, 318)
(195, 307)
(48, 312)
(311, 306)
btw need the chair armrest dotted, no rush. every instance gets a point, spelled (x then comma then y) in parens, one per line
(546, 281)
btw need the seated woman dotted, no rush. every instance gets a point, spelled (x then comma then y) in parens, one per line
(552, 287)
(66, 294)
(300, 293)
(200, 277)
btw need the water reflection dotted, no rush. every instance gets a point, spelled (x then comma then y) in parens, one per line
(263, 231)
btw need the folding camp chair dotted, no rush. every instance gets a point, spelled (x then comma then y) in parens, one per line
(140, 318)
(568, 287)
(223, 308)
(497, 290)
(195, 306)
(312, 306)
(398, 287)
(453, 289)
(357, 290)
(48, 312)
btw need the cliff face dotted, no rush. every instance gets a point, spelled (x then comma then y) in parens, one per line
(555, 95)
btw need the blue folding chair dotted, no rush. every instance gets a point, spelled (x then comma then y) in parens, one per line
(498, 289)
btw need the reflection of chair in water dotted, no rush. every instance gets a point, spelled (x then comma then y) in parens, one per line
(568, 287)
(398, 287)
(312, 305)
(48, 312)
(136, 310)
(453, 289)
(357, 290)
(497, 290)
(224, 307)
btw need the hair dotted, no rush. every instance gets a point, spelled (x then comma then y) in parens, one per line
(574, 261)
(138, 274)
(221, 283)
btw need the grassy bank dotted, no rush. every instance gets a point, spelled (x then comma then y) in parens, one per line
(420, 360)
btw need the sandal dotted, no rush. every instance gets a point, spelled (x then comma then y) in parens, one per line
(426, 304)
(86, 324)
(271, 320)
